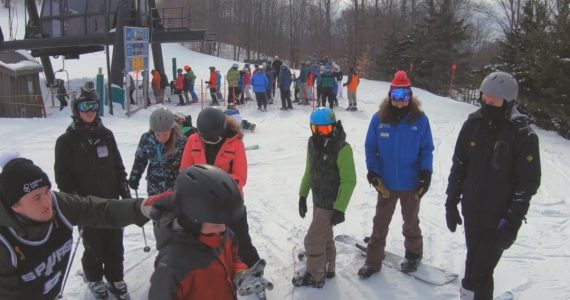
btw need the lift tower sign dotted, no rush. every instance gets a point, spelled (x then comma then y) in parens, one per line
(136, 48)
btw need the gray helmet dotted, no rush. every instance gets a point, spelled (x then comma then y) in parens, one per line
(502, 85)
(161, 120)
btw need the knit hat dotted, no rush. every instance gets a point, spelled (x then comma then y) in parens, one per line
(400, 80)
(19, 177)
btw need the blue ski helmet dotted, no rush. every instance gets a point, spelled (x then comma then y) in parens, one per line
(322, 116)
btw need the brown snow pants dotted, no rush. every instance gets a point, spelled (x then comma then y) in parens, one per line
(319, 244)
(411, 228)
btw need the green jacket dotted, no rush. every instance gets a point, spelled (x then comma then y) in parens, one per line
(84, 211)
(233, 77)
(190, 76)
(331, 182)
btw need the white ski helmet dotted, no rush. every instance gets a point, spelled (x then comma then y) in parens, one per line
(502, 85)
(161, 120)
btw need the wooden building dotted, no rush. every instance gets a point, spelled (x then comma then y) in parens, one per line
(20, 92)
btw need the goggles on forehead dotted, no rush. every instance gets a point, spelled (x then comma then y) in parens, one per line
(400, 94)
(322, 129)
(88, 106)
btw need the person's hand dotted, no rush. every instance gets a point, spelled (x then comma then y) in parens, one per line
(337, 217)
(452, 216)
(506, 234)
(252, 281)
(134, 182)
(376, 182)
(302, 206)
(423, 185)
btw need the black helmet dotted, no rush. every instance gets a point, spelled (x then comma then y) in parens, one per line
(207, 194)
(211, 124)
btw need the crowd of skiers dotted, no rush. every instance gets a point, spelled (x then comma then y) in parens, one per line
(195, 178)
(320, 81)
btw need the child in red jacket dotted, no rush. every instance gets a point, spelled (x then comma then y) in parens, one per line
(197, 256)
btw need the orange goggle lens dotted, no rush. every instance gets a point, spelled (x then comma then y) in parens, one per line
(322, 129)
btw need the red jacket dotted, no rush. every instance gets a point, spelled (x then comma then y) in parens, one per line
(180, 82)
(213, 79)
(231, 157)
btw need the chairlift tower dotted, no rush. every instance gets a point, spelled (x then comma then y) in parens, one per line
(70, 28)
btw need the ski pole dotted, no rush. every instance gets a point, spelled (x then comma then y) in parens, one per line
(146, 247)
(69, 265)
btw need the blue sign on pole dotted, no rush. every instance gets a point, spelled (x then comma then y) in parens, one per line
(136, 48)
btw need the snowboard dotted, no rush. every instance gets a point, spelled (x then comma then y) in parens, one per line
(299, 260)
(425, 273)
(508, 295)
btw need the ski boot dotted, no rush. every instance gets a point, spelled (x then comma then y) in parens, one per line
(119, 290)
(99, 290)
(307, 280)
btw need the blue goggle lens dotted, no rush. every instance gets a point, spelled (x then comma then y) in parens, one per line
(88, 106)
(401, 94)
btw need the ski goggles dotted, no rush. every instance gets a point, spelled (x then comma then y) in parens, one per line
(322, 129)
(88, 106)
(400, 94)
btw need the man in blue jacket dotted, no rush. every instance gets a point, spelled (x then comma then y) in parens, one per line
(399, 155)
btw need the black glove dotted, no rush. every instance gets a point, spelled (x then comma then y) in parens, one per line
(452, 216)
(125, 193)
(134, 182)
(506, 234)
(302, 206)
(423, 186)
(337, 217)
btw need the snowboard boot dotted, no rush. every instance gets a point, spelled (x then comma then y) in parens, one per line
(307, 280)
(354, 108)
(119, 290)
(99, 290)
(290, 107)
(366, 271)
(349, 108)
(411, 262)
(330, 275)
(283, 108)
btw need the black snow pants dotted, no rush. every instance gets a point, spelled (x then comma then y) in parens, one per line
(103, 254)
(246, 250)
(482, 258)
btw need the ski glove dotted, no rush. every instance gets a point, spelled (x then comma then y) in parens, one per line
(423, 186)
(374, 180)
(337, 217)
(252, 281)
(302, 206)
(452, 216)
(134, 182)
(506, 234)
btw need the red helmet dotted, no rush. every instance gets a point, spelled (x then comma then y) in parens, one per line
(187, 68)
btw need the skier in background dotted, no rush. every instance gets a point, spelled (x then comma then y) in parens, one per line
(495, 173)
(161, 149)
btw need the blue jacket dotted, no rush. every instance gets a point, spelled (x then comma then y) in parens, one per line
(259, 82)
(303, 75)
(269, 75)
(399, 151)
(285, 80)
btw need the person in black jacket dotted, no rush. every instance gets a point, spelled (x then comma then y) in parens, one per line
(88, 162)
(495, 172)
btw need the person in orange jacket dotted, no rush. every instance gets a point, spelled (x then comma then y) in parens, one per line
(351, 87)
(213, 85)
(198, 255)
(218, 142)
